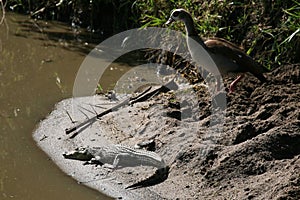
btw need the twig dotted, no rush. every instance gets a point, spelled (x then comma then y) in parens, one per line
(70, 117)
(93, 119)
(95, 112)
(87, 110)
(141, 97)
(3, 12)
(48, 6)
(84, 113)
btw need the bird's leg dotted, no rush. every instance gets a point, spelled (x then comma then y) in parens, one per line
(232, 85)
(218, 83)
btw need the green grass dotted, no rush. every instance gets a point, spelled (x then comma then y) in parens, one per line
(268, 31)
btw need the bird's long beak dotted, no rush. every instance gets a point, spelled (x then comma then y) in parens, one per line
(170, 20)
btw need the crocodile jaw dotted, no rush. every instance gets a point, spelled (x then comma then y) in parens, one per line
(79, 155)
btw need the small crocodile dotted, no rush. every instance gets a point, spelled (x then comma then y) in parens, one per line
(120, 156)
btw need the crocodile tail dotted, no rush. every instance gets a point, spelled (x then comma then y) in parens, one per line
(160, 176)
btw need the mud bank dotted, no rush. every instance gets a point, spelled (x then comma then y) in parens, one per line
(253, 154)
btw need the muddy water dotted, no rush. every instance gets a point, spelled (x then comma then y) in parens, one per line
(38, 65)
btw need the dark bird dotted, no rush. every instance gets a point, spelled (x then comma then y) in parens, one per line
(228, 57)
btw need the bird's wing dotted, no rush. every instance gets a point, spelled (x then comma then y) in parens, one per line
(236, 54)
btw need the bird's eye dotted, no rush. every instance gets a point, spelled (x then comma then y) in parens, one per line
(176, 13)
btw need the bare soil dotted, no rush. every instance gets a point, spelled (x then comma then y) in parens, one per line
(255, 156)
(253, 153)
(258, 153)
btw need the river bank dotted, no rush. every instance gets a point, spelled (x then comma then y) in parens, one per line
(255, 156)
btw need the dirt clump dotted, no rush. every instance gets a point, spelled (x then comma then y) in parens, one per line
(255, 156)
(259, 152)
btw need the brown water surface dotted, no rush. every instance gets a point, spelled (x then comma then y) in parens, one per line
(38, 65)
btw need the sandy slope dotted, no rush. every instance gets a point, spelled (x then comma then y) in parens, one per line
(254, 153)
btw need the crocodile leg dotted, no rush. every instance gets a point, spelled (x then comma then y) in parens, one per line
(116, 161)
(94, 161)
